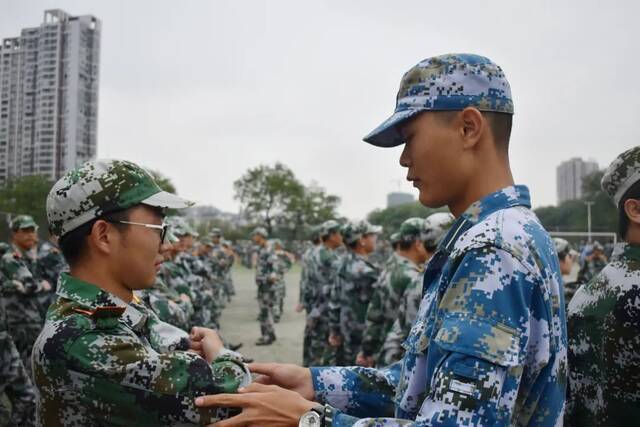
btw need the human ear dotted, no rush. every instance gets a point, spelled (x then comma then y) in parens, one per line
(472, 126)
(632, 210)
(101, 236)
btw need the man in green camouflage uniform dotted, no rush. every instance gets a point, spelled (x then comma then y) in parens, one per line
(48, 267)
(604, 318)
(381, 310)
(15, 385)
(322, 271)
(419, 241)
(352, 291)
(594, 263)
(170, 306)
(266, 277)
(194, 273)
(221, 261)
(103, 358)
(21, 289)
(306, 262)
(285, 261)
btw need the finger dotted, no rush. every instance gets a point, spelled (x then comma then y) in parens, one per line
(196, 345)
(263, 368)
(263, 379)
(258, 388)
(223, 399)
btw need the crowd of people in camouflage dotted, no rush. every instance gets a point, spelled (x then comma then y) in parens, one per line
(467, 319)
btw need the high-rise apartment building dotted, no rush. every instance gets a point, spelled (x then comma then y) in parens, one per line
(49, 96)
(569, 176)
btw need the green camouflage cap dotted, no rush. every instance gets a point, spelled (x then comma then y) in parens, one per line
(102, 186)
(562, 245)
(328, 227)
(170, 236)
(4, 248)
(411, 229)
(436, 226)
(260, 231)
(21, 222)
(621, 174)
(206, 240)
(181, 227)
(215, 232)
(394, 238)
(354, 230)
(275, 242)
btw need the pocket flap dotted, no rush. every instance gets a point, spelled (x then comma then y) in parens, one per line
(482, 338)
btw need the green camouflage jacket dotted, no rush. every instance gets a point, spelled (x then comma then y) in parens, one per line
(381, 310)
(321, 276)
(101, 361)
(350, 296)
(604, 346)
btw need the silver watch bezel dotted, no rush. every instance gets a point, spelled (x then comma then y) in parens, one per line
(308, 416)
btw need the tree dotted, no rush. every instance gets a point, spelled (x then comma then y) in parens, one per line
(163, 182)
(26, 195)
(311, 206)
(571, 215)
(392, 217)
(272, 196)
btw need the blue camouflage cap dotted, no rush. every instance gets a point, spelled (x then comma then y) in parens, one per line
(448, 82)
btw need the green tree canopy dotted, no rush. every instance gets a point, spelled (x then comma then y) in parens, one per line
(272, 196)
(163, 182)
(572, 214)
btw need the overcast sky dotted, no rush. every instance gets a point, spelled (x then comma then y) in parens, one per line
(203, 90)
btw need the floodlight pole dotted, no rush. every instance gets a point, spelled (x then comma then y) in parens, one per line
(589, 204)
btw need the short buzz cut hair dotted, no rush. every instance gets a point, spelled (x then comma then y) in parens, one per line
(500, 125)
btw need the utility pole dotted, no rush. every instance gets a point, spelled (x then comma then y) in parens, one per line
(589, 204)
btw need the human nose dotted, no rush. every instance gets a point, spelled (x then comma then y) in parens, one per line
(405, 160)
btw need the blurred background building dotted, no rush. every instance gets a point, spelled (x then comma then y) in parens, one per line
(569, 176)
(49, 96)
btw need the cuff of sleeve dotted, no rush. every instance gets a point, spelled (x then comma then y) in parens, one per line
(234, 356)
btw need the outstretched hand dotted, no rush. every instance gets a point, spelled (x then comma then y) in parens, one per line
(262, 405)
(285, 375)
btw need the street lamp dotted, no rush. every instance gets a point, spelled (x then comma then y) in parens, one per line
(589, 204)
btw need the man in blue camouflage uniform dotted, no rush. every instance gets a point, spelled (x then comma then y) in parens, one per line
(104, 358)
(604, 317)
(303, 302)
(488, 346)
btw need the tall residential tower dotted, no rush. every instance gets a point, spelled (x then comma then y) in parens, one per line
(569, 176)
(49, 96)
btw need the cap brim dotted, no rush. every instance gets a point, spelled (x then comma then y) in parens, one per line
(388, 134)
(167, 200)
(374, 229)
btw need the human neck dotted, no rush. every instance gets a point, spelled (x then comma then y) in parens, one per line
(632, 237)
(100, 276)
(488, 181)
(411, 255)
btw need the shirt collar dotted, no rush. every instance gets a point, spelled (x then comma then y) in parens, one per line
(515, 195)
(632, 252)
(93, 298)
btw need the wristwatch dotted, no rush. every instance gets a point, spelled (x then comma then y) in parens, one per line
(313, 418)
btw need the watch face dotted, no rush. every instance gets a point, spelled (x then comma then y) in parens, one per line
(310, 419)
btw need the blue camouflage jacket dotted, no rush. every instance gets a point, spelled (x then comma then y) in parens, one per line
(489, 344)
